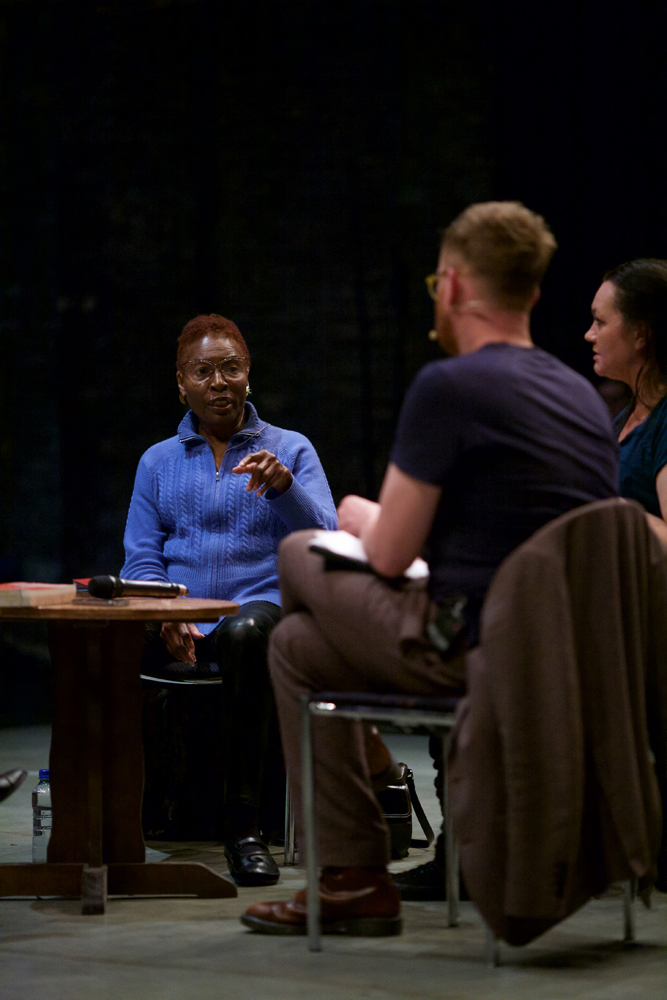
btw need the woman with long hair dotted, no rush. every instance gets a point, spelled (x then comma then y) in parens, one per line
(629, 338)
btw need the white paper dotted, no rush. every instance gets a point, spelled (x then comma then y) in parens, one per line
(342, 543)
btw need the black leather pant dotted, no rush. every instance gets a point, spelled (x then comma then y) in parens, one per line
(239, 646)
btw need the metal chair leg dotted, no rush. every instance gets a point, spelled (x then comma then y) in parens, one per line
(451, 849)
(312, 879)
(290, 847)
(629, 892)
(491, 949)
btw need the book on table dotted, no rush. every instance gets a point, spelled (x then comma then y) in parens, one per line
(31, 595)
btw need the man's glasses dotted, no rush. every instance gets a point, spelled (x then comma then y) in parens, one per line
(203, 371)
(432, 284)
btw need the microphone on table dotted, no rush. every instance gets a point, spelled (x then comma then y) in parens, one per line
(108, 587)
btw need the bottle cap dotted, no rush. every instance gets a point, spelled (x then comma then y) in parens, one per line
(43, 774)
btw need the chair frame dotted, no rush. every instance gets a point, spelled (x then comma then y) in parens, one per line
(405, 714)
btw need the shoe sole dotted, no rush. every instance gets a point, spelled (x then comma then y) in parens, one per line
(164, 680)
(254, 880)
(354, 927)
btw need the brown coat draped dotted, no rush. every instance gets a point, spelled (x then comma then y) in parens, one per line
(559, 757)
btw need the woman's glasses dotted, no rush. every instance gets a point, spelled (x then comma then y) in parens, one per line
(203, 371)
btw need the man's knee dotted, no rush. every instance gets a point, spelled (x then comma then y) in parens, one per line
(289, 647)
(295, 564)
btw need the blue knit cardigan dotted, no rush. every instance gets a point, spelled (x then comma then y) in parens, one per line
(189, 524)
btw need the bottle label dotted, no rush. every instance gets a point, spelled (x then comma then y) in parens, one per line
(43, 819)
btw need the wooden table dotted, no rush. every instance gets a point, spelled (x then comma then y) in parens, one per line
(96, 761)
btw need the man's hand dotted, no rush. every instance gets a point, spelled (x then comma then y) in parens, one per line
(356, 513)
(178, 638)
(266, 472)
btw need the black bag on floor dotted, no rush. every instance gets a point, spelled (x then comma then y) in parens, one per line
(397, 801)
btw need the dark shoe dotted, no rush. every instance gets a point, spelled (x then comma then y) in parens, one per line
(10, 781)
(354, 901)
(180, 672)
(425, 883)
(250, 862)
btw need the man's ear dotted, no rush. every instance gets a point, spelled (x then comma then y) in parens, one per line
(454, 295)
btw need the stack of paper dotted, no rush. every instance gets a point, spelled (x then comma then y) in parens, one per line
(346, 549)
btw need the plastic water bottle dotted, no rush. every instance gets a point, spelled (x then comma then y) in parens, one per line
(41, 816)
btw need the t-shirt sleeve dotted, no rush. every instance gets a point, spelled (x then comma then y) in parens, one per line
(428, 437)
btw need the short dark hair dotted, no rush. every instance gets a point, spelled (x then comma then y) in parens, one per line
(641, 298)
(506, 244)
(204, 326)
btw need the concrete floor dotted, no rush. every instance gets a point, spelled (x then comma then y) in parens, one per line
(168, 949)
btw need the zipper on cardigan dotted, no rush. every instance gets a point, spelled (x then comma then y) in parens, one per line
(214, 560)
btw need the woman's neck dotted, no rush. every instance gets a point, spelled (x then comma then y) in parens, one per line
(218, 439)
(650, 397)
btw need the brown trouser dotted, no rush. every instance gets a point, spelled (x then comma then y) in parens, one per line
(347, 631)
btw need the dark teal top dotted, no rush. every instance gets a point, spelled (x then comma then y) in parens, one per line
(643, 455)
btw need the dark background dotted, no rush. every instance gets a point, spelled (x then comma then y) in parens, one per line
(287, 164)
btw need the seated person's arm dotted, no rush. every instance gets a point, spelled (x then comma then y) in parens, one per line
(145, 534)
(393, 531)
(657, 524)
(300, 496)
(144, 540)
(661, 490)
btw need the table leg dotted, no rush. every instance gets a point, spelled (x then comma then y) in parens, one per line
(69, 787)
(97, 777)
(94, 876)
(96, 752)
(93, 733)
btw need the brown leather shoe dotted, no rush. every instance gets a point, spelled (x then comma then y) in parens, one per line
(358, 902)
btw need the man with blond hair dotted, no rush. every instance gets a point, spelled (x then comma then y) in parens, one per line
(492, 442)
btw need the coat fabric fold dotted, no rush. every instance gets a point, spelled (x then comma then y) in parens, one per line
(558, 761)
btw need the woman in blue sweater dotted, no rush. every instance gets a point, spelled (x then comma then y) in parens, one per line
(209, 509)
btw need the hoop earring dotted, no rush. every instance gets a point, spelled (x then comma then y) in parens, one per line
(248, 390)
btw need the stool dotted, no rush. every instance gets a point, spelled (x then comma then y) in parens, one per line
(405, 714)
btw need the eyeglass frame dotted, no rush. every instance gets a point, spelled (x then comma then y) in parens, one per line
(432, 283)
(216, 367)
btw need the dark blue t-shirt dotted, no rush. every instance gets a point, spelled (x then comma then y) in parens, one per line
(643, 455)
(514, 438)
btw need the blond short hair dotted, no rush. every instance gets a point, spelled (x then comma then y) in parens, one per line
(507, 245)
